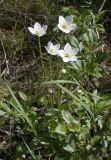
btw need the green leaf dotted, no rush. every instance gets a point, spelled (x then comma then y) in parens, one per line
(69, 148)
(57, 82)
(100, 121)
(70, 140)
(72, 124)
(86, 38)
(75, 127)
(74, 41)
(22, 95)
(100, 27)
(96, 72)
(81, 46)
(2, 113)
(94, 69)
(67, 117)
(92, 35)
(30, 151)
(102, 106)
(61, 129)
(100, 15)
(95, 139)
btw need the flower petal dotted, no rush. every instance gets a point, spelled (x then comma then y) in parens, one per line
(50, 45)
(45, 27)
(69, 18)
(61, 19)
(74, 50)
(57, 46)
(61, 53)
(73, 58)
(65, 59)
(55, 51)
(47, 49)
(37, 26)
(62, 29)
(67, 48)
(31, 30)
(73, 26)
(42, 32)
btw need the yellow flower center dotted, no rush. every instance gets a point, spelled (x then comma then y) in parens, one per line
(65, 25)
(38, 33)
(51, 51)
(69, 55)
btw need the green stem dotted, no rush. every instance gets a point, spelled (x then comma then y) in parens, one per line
(41, 54)
(62, 37)
(51, 99)
(58, 76)
(50, 68)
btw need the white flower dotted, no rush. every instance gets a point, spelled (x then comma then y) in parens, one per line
(68, 53)
(52, 49)
(38, 29)
(66, 24)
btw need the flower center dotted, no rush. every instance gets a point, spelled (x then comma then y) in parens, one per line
(51, 51)
(38, 33)
(65, 25)
(68, 55)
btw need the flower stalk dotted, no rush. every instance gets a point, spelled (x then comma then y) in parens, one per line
(41, 55)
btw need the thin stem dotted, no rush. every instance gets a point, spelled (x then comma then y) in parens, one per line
(102, 5)
(50, 68)
(58, 90)
(62, 37)
(41, 54)
(58, 75)
(51, 99)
